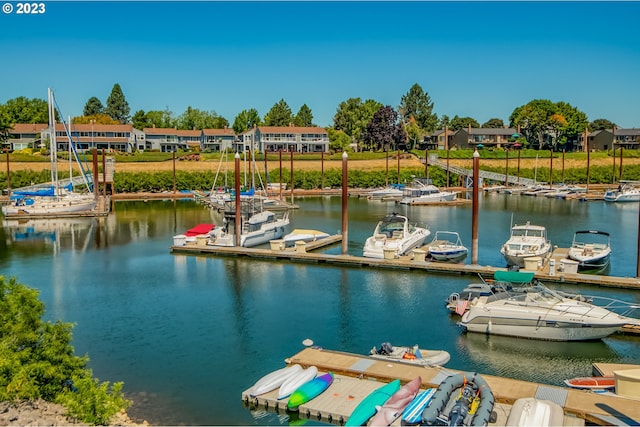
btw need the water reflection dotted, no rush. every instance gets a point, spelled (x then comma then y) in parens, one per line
(531, 360)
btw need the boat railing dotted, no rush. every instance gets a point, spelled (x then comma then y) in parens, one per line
(622, 308)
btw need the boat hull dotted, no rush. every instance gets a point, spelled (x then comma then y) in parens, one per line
(367, 407)
(309, 391)
(528, 411)
(52, 207)
(597, 383)
(394, 406)
(274, 379)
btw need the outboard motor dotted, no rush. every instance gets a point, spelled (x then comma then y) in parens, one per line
(460, 409)
(386, 348)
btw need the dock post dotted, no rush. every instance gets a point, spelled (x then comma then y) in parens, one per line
(474, 215)
(238, 225)
(345, 194)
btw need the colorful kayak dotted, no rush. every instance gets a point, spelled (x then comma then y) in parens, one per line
(394, 406)
(412, 414)
(367, 408)
(309, 390)
(295, 381)
(591, 382)
(274, 380)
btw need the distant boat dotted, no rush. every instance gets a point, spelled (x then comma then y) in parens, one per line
(591, 248)
(447, 246)
(626, 192)
(395, 234)
(421, 191)
(54, 200)
(410, 355)
(392, 191)
(526, 241)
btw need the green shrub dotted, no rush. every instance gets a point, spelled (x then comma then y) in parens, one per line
(37, 360)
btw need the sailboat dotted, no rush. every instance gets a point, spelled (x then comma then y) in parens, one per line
(54, 199)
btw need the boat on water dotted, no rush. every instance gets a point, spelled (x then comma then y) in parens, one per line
(53, 199)
(395, 235)
(592, 250)
(503, 281)
(447, 246)
(596, 382)
(393, 191)
(540, 313)
(627, 191)
(192, 235)
(411, 355)
(526, 241)
(422, 191)
(306, 235)
(461, 399)
(257, 229)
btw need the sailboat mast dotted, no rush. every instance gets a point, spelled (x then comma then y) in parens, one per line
(53, 145)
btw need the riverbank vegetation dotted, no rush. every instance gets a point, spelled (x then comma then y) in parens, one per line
(37, 361)
(140, 172)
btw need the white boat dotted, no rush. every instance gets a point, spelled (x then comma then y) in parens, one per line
(395, 234)
(422, 191)
(529, 411)
(447, 246)
(274, 380)
(394, 191)
(412, 355)
(541, 314)
(526, 241)
(591, 248)
(258, 229)
(626, 192)
(53, 200)
(303, 234)
(292, 383)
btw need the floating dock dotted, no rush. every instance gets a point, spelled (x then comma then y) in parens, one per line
(356, 376)
(304, 254)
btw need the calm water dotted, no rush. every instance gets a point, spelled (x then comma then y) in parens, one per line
(188, 334)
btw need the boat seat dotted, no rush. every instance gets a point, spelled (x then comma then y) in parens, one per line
(397, 234)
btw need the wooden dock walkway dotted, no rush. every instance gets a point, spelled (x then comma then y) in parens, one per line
(356, 376)
(407, 262)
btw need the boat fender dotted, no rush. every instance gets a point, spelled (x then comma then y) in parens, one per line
(444, 393)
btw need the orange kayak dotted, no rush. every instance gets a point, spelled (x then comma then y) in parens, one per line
(591, 382)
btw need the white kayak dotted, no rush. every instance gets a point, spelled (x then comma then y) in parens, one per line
(295, 381)
(274, 380)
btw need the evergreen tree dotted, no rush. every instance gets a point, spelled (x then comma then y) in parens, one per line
(304, 118)
(93, 106)
(279, 115)
(117, 106)
(417, 104)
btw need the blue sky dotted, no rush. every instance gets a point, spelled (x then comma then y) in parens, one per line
(474, 59)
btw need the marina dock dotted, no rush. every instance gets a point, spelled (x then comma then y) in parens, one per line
(305, 254)
(356, 376)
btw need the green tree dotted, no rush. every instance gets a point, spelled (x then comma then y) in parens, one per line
(417, 104)
(140, 120)
(154, 118)
(194, 118)
(384, 132)
(279, 115)
(25, 110)
(99, 118)
(93, 106)
(338, 140)
(458, 123)
(117, 106)
(444, 121)
(5, 128)
(246, 120)
(37, 360)
(414, 133)
(304, 118)
(601, 124)
(493, 124)
(352, 117)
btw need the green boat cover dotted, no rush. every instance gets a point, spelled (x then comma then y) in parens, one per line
(513, 276)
